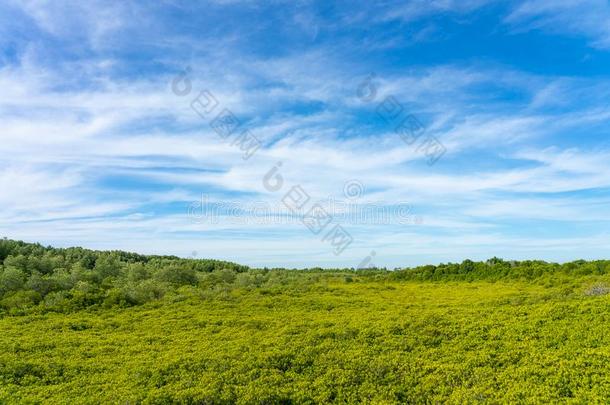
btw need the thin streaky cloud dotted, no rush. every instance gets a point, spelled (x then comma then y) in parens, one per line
(95, 149)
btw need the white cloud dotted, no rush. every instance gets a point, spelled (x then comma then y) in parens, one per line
(589, 18)
(67, 127)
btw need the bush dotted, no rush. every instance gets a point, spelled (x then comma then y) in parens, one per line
(146, 290)
(116, 297)
(107, 266)
(58, 301)
(597, 289)
(42, 284)
(21, 300)
(224, 276)
(177, 276)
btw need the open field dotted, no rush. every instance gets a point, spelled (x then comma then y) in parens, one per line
(304, 202)
(319, 339)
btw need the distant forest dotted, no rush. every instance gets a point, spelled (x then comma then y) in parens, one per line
(34, 278)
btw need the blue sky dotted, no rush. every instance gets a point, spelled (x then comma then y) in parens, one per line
(97, 150)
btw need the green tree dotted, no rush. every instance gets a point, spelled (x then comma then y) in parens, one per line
(11, 279)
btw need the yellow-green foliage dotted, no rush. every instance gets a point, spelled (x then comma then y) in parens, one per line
(333, 339)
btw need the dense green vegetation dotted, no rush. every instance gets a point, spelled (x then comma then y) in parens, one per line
(36, 278)
(44, 278)
(81, 326)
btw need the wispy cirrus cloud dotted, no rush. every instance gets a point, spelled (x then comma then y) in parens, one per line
(95, 148)
(589, 18)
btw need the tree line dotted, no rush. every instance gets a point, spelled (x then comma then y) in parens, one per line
(35, 277)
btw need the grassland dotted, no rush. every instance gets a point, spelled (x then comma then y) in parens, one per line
(332, 338)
